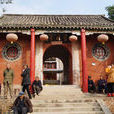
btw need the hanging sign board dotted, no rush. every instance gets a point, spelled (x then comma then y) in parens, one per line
(56, 42)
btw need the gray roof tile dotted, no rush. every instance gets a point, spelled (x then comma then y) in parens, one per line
(56, 21)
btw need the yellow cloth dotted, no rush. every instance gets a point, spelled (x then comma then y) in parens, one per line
(111, 75)
(107, 70)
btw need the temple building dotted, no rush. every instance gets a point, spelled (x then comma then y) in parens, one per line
(60, 49)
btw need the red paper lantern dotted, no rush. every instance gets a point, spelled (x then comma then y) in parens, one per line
(102, 38)
(12, 37)
(43, 37)
(73, 38)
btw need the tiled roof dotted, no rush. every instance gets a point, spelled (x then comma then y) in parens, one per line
(12, 21)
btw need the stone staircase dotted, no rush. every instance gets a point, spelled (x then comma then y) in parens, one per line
(64, 100)
(68, 107)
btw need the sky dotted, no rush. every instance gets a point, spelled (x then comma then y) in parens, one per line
(77, 7)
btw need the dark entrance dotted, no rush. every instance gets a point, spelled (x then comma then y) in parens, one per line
(50, 71)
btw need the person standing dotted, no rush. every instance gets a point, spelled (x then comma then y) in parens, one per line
(110, 82)
(22, 104)
(8, 75)
(26, 80)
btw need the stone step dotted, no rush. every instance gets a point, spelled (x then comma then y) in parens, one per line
(60, 93)
(64, 101)
(65, 109)
(58, 88)
(65, 104)
(72, 112)
(42, 102)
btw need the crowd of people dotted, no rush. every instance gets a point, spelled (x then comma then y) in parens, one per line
(22, 104)
(103, 85)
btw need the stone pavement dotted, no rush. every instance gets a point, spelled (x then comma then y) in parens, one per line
(65, 99)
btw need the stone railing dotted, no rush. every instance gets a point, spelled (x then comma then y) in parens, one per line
(110, 103)
(5, 106)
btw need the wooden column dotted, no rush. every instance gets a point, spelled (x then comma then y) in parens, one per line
(84, 62)
(32, 56)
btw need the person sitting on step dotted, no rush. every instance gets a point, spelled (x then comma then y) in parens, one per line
(102, 85)
(36, 86)
(22, 105)
(91, 85)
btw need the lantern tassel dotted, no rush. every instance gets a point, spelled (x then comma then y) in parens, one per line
(103, 43)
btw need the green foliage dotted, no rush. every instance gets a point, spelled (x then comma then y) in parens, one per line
(110, 10)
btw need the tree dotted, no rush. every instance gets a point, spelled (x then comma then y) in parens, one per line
(110, 10)
(4, 2)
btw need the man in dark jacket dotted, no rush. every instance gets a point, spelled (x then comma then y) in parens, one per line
(37, 86)
(26, 80)
(91, 85)
(102, 85)
(22, 104)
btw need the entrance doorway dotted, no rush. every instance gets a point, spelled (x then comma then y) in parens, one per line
(57, 65)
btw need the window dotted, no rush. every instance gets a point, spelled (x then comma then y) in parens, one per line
(50, 65)
(11, 51)
(100, 52)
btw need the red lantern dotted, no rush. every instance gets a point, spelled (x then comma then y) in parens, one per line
(11, 37)
(73, 38)
(43, 37)
(102, 38)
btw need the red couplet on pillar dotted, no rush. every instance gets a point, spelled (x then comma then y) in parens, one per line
(84, 62)
(32, 56)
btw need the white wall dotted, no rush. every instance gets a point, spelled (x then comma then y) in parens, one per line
(60, 67)
(76, 63)
(39, 60)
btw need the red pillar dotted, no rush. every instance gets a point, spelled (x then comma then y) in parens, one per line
(84, 62)
(32, 56)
